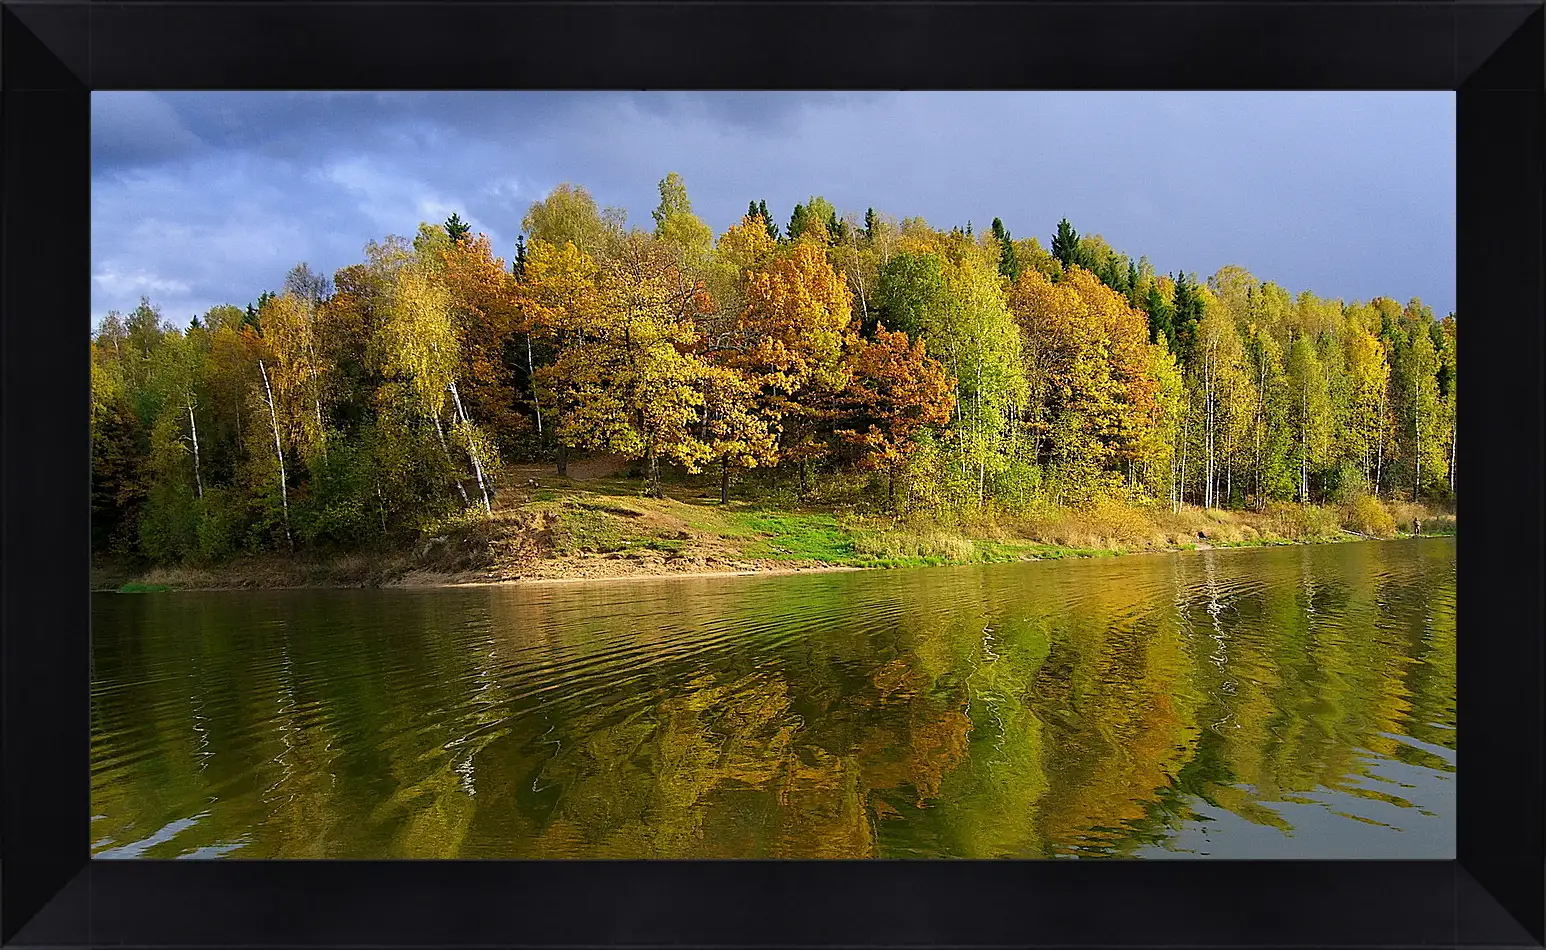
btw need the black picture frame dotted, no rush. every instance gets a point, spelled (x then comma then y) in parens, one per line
(54, 53)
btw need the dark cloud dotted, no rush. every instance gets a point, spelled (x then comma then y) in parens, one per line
(203, 198)
(130, 129)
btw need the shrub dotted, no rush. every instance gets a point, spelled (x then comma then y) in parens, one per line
(1301, 522)
(1364, 514)
(222, 516)
(910, 546)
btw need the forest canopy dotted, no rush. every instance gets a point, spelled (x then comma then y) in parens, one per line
(948, 370)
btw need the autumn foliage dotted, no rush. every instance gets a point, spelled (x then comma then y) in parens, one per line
(924, 369)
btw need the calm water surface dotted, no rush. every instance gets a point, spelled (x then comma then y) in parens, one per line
(1282, 702)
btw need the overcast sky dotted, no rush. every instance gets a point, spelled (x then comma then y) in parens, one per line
(207, 198)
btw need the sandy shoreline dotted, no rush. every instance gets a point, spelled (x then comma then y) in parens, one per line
(412, 584)
(604, 571)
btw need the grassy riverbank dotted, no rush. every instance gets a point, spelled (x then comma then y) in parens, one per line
(547, 528)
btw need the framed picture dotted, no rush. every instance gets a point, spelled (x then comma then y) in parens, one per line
(856, 475)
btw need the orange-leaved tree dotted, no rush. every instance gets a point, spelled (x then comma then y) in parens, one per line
(896, 391)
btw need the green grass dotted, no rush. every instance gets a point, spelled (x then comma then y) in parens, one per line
(794, 536)
(809, 536)
(591, 528)
(135, 587)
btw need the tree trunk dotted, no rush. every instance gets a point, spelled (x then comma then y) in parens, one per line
(891, 489)
(440, 433)
(193, 426)
(531, 377)
(1208, 484)
(322, 434)
(381, 506)
(652, 474)
(279, 452)
(472, 448)
(800, 470)
(725, 481)
(1453, 427)
(1417, 441)
(1181, 471)
(1380, 438)
(1305, 488)
(1257, 426)
(563, 460)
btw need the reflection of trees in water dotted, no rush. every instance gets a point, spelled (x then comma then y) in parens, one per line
(1036, 711)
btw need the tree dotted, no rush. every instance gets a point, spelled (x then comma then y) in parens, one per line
(485, 314)
(1225, 401)
(1272, 468)
(858, 260)
(797, 225)
(569, 215)
(559, 289)
(773, 229)
(119, 446)
(1419, 435)
(1447, 392)
(1310, 415)
(734, 429)
(295, 370)
(1162, 317)
(1091, 401)
(272, 405)
(628, 381)
(518, 266)
(795, 322)
(1369, 374)
(1187, 311)
(422, 350)
(674, 201)
(676, 225)
(1009, 260)
(908, 288)
(1156, 452)
(1066, 245)
(895, 393)
(977, 341)
(456, 228)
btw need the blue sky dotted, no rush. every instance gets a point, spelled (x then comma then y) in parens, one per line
(207, 198)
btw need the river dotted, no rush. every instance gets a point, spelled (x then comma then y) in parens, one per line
(1250, 703)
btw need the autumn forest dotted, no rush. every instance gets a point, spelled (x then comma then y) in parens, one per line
(935, 371)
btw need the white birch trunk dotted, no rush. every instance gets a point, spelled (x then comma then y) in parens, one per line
(1417, 441)
(472, 448)
(279, 453)
(531, 376)
(1454, 425)
(1380, 437)
(193, 428)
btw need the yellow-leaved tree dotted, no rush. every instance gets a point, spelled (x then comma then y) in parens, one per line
(625, 379)
(420, 346)
(794, 327)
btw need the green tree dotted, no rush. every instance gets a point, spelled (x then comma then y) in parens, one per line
(773, 229)
(1419, 434)
(568, 214)
(1310, 414)
(1066, 245)
(1009, 260)
(456, 228)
